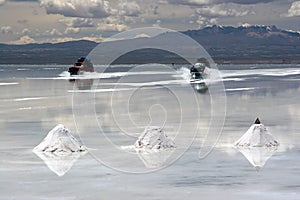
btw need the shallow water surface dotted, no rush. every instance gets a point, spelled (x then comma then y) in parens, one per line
(109, 113)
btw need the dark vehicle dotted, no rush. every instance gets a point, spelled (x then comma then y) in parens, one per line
(197, 71)
(83, 64)
(197, 77)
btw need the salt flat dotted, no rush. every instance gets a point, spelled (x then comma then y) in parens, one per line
(108, 115)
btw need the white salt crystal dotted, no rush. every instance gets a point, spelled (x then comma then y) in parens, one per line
(153, 138)
(257, 136)
(60, 140)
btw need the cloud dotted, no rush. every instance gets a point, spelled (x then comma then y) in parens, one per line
(78, 8)
(294, 9)
(203, 21)
(111, 27)
(64, 39)
(68, 39)
(142, 35)
(114, 24)
(211, 2)
(70, 30)
(25, 31)
(78, 22)
(55, 32)
(222, 10)
(6, 30)
(35, 12)
(189, 2)
(245, 1)
(131, 9)
(155, 10)
(24, 0)
(22, 21)
(25, 40)
(51, 32)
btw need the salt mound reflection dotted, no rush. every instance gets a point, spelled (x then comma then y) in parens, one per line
(257, 156)
(60, 150)
(257, 145)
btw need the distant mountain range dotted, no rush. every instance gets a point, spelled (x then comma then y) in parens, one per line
(47, 53)
(250, 44)
(226, 44)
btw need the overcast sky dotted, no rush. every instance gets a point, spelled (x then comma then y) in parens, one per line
(29, 21)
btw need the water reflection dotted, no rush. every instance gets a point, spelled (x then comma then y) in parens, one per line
(60, 164)
(154, 159)
(83, 84)
(257, 156)
(200, 87)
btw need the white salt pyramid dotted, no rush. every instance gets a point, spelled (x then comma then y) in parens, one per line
(59, 150)
(257, 136)
(153, 147)
(153, 138)
(60, 140)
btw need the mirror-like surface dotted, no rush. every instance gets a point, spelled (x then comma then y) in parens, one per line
(35, 98)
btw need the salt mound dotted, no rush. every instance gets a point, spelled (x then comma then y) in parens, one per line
(153, 147)
(257, 136)
(153, 138)
(60, 140)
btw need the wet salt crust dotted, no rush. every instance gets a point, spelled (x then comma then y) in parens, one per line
(224, 172)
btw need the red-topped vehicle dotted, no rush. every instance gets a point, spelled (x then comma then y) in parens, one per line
(83, 64)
